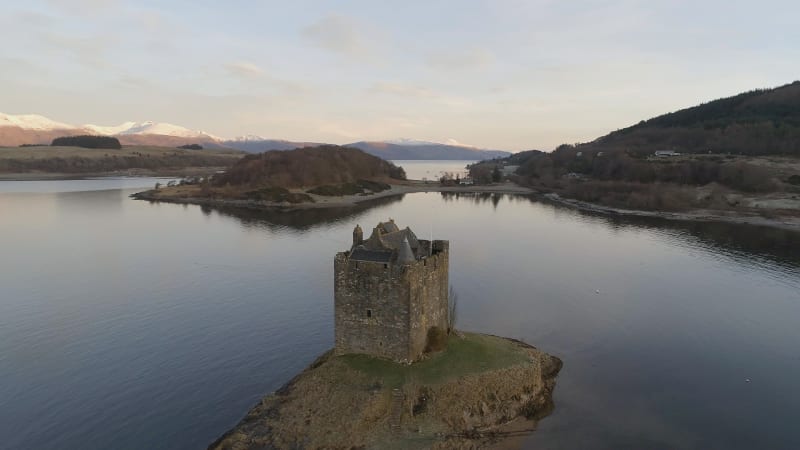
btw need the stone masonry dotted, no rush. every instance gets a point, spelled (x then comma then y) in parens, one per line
(390, 290)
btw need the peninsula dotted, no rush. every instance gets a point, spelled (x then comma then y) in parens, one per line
(735, 159)
(400, 375)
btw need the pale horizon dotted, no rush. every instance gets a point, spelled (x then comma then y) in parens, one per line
(501, 75)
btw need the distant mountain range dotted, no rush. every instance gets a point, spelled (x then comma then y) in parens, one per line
(16, 130)
(428, 150)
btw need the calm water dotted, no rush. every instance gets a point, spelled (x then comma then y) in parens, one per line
(131, 325)
(433, 170)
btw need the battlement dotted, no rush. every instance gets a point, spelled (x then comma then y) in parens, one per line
(389, 291)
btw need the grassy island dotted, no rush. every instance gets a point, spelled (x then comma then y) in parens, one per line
(282, 178)
(468, 394)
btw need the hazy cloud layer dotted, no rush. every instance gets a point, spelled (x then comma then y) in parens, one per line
(501, 74)
(244, 69)
(341, 34)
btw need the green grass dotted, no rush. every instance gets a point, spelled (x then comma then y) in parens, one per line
(472, 354)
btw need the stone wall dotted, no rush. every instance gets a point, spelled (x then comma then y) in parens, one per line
(428, 288)
(370, 308)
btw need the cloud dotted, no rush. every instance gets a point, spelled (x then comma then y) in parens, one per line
(86, 50)
(474, 58)
(83, 7)
(342, 35)
(244, 69)
(370, 129)
(403, 90)
(410, 91)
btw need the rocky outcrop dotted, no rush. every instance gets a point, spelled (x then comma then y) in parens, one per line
(334, 404)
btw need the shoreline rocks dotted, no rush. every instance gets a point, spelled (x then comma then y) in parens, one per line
(343, 402)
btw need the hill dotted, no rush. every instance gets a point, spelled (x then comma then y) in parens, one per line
(280, 178)
(758, 122)
(426, 151)
(738, 156)
(310, 166)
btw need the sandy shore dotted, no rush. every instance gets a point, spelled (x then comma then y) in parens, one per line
(784, 222)
(336, 201)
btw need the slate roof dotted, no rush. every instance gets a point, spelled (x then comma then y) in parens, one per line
(388, 227)
(405, 255)
(362, 254)
(394, 240)
(386, 241)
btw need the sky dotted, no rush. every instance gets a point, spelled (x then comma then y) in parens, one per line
(501, 74)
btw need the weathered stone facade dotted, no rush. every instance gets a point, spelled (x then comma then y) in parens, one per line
(389, 291)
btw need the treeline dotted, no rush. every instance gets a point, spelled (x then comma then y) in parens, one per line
(87, 141)
(112, 162)
(570, 161)
(310, 166)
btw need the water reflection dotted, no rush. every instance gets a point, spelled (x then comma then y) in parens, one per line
(301, 219)
(478, 197)
(747, 243)
(127, 324)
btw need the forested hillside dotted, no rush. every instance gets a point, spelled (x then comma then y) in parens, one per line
(758, 122)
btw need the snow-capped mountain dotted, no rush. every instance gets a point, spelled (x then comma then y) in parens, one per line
(41, 123)
(35, 129)
(32, 122)
(109, 131)
(149, 127)
(413, 142)
(248, 138)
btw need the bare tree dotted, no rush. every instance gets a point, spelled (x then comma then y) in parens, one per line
(452, 309)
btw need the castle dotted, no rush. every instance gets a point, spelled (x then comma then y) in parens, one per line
(390, 290)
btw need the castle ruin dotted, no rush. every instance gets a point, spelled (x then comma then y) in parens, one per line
(390, 290)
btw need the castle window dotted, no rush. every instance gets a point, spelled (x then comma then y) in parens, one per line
(385, 266)
(369, 313)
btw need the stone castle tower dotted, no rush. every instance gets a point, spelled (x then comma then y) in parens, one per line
(389, 291)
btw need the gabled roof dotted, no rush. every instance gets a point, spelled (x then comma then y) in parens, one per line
(387, 240)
